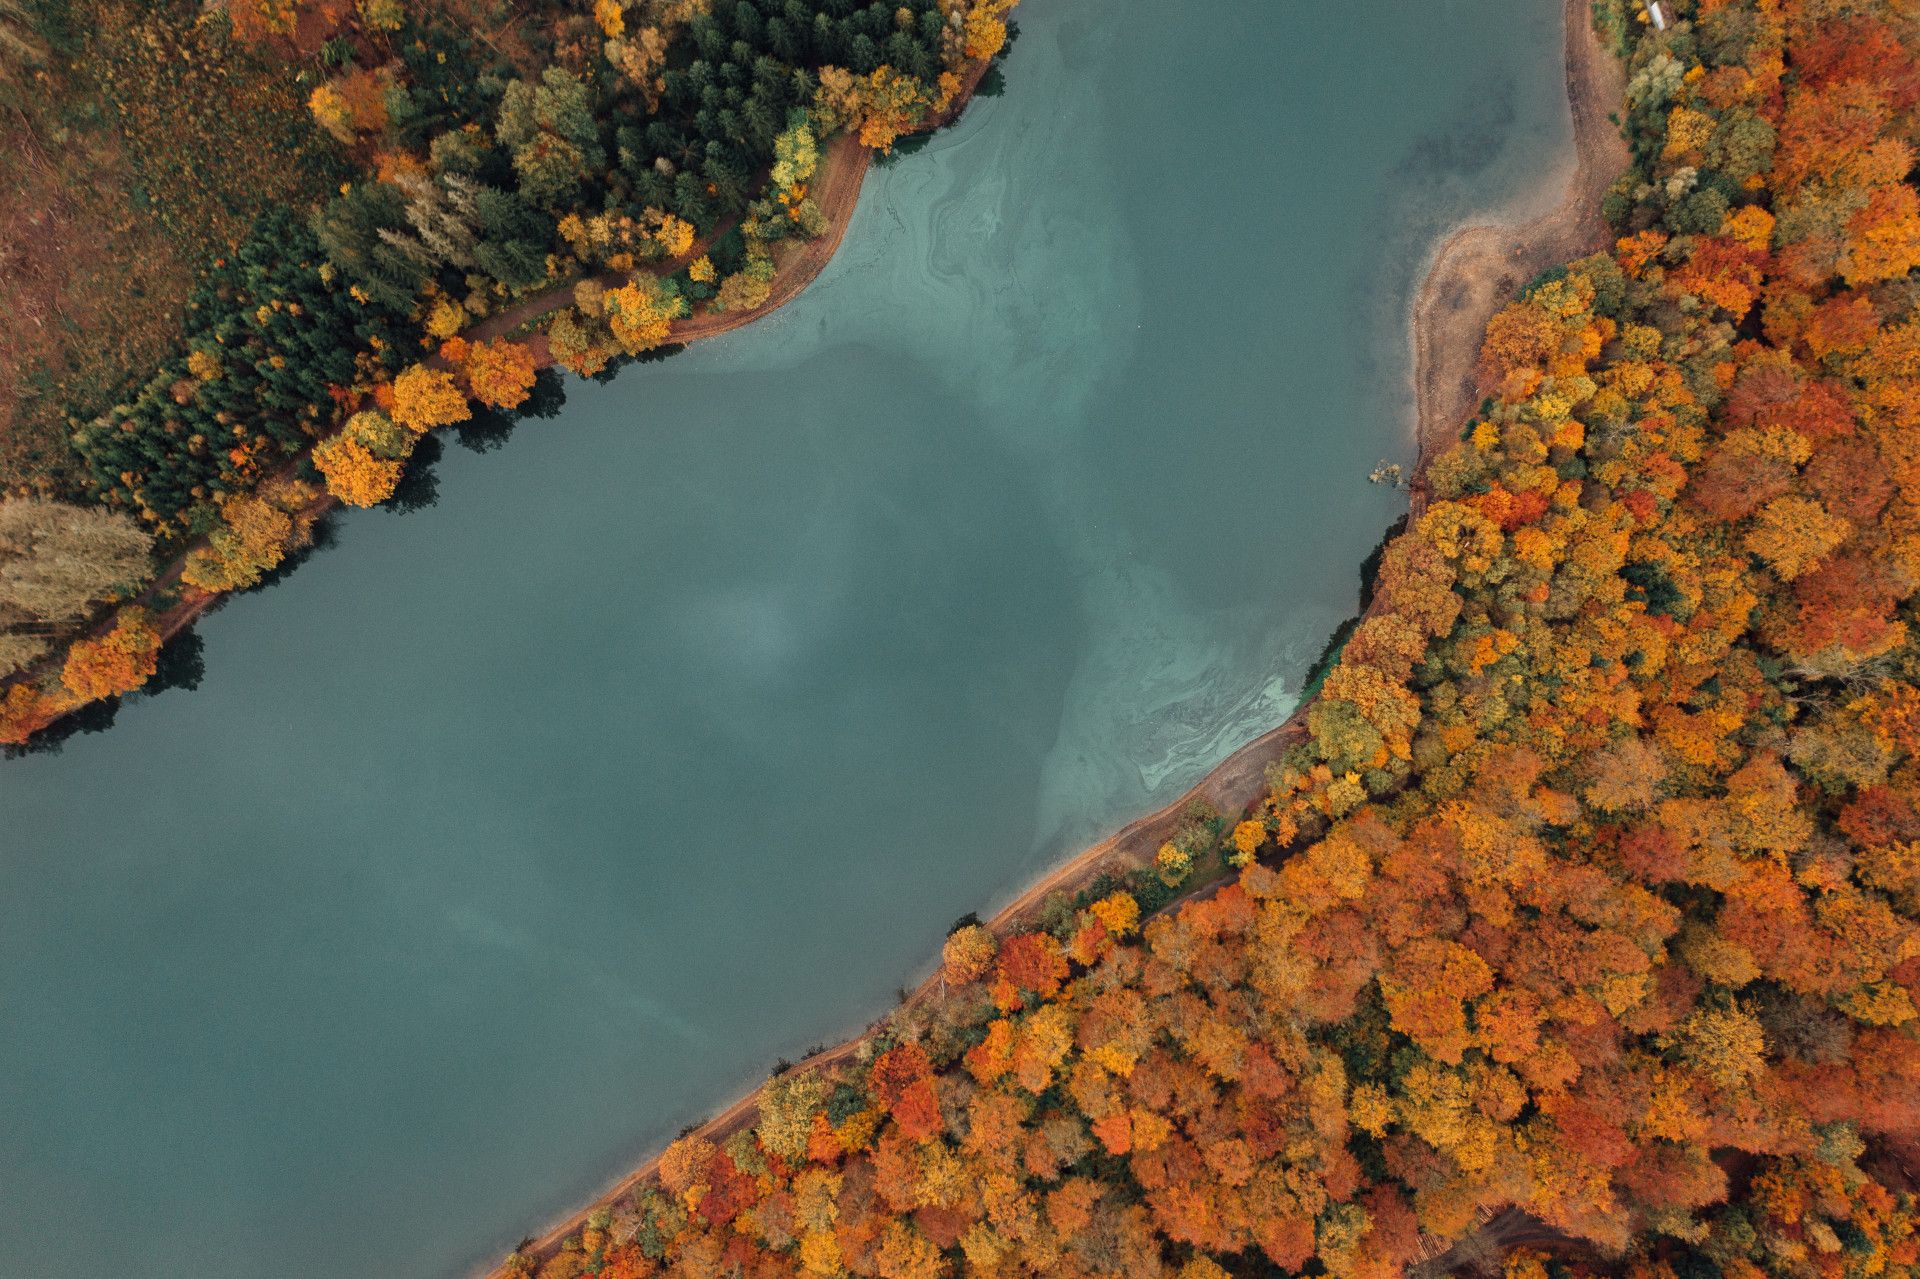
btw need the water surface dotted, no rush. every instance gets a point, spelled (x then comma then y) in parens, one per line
(507, 838)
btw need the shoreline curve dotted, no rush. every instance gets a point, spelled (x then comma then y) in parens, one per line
(844, 163)
(1484, 260)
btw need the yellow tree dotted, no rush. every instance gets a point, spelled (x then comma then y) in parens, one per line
(881, 105)
(674, 235)
(986, 27)
(252, 538)
(748, 287)
(1793, 533)
(355, 475)
(500, 373)
(641, 313)
(967, 955)
(424, 398)
(363, 463)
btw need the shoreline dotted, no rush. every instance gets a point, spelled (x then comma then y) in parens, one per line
(844, 164)
(1132, 846)
(847, 162)
(1481, 258)
(1478, 266)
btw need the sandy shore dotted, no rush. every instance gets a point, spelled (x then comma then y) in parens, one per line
(1480, 266)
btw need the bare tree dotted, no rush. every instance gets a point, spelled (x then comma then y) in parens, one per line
(58, 560)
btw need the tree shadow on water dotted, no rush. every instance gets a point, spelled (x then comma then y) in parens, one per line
(94, 717)
(324, 537)
(419, 486)
(490, 429)
(619, 362)
(181, 664)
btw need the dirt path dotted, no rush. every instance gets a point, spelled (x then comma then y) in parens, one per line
(1480, 266)
(836, 189)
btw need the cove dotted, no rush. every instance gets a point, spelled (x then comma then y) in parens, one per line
(506, 838)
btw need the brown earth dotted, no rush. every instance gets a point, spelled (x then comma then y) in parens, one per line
(76, 260)
(836, 189)
(120, 178)
(837, 183)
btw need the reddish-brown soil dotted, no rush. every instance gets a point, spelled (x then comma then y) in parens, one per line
(836, 189)
(76, 261)
(837, 184)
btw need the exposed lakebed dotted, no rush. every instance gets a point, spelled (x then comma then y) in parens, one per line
(506, 838)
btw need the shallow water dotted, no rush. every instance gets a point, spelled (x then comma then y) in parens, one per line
(507, 838)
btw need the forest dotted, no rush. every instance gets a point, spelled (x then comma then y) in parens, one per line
(1578, 936)
(463, 194)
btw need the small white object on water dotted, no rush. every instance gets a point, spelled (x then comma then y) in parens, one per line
(1388, 473)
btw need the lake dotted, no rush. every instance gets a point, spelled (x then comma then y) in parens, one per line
(506, 838)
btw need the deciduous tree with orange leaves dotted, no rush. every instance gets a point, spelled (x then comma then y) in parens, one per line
(425, 397)
(499, 373)
(363, 462)
(117, 662)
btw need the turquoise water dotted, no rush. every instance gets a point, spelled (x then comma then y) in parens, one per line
(506, 838)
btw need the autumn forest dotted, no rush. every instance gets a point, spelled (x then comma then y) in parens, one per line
(1576, 932)
(1577, 936)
